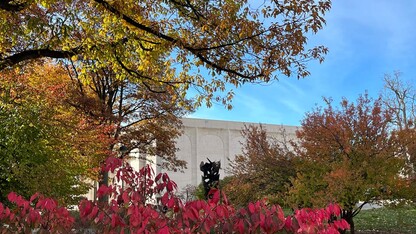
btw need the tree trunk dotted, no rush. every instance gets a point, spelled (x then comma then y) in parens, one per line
(348, 216)
(103, 180)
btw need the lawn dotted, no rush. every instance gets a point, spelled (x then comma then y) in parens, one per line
(386, 220)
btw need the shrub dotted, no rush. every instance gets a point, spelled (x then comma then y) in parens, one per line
(38, 213)
(142, 203)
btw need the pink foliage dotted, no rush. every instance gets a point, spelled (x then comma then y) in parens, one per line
(37, 213)
(322, 220)
(143, 203)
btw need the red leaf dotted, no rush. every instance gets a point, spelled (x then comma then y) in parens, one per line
(169, 186)
(334, 209)
(126, 198)
(7, 212)
(158, 176)
(34, 216)
(103, 190)
(165, 177)
(136, 219)
(93, 212)
(85, 208)
(50, 204)
(199, 205)
(220, 211)
(116, 221)
(12, 197)
(251, 208)
(262, 218)
(224, 199)
(164, 198)
(194, 213)
(149, 171)
(160, 187)
(11, 217)
(341, 224)
(99, 218)
(240, 226)
(207, 227)
(171, 202)
(288, 223)
(113, 220)
(215, 194)
(164, 230)
(33, 197)
(280, 214)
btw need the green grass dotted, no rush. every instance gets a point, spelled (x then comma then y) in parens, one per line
(386, 220)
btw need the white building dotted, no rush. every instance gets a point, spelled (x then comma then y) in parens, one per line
(213, 139)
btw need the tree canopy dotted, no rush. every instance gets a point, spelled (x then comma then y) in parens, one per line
(52, 116)
(263, 170)
(237, 41)
(400, 98)
(347, 154)
(44, 146)
(132, 63)
(144, 119)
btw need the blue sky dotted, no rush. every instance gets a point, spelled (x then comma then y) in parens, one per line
(366, 39)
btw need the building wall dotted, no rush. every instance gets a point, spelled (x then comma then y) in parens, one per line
(202, 139)
(216, 140)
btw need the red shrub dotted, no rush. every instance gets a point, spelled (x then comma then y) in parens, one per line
(37, 213)
(142, 203)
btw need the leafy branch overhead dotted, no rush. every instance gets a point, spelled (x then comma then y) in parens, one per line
(239, 40)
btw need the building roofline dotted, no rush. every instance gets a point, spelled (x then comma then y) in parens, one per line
(236, 125)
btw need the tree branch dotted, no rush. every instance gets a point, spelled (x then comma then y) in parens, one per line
(194, 51)
(134, 23)
(11, 6)
(188, 4)
(34, 54)
(356, 211)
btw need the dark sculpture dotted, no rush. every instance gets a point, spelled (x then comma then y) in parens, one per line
(211, 175)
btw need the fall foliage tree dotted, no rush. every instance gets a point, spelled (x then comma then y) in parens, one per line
(400, 98)
(97, 112)
(236, 41)
(43, 144)
(161, 46)
(145, 118)
(122, 112)
(263, 170)
(347, 154)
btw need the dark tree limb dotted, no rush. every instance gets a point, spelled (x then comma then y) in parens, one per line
(12, 6)
(34, 54)
(195, 51)
(134, 23)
